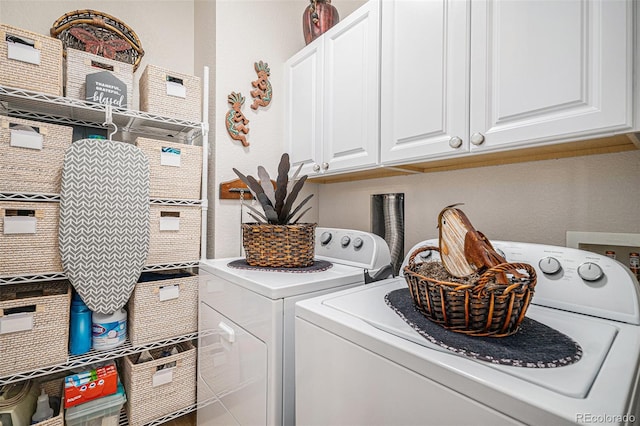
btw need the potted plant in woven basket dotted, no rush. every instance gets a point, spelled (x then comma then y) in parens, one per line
(277, 239)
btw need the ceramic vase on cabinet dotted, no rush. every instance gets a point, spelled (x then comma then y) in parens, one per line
(317, 18)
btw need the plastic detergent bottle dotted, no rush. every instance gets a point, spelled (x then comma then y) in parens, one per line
(80, 326)
(43, 409)
(109, 330)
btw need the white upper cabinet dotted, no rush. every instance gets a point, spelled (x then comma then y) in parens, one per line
(490, 75)
(332, 108)
(548, 70)
(303, 117)
(424, 88)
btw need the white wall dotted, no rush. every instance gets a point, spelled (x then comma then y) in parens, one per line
(248, 31)
(535, 201)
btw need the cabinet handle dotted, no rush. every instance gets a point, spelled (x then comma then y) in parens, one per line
(477, 139)
(455, 142)
(316, 168)
(325, 166)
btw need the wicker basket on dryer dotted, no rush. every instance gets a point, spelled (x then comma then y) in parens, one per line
(483, 307)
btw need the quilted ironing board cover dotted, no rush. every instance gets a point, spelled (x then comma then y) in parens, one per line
(104, 220)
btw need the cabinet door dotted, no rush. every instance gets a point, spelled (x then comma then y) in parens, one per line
(303, 115)
(351, 102)
(543, 70)
(424, 90)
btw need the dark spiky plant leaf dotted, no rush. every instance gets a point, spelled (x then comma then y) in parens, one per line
(255, 184)
(284, 212)
(298, 207)
(267, 186)
(256, 218)
(269, 211)
(294, 178)
(256, 212)
(252, 187)
(281, 182)
(300, 216)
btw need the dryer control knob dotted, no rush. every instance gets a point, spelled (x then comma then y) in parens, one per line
(590, 271)
(550, 265)
(345, 241)
(325, 237)
(357, 243)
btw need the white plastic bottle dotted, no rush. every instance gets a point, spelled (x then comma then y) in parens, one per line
(109, 330)
(43, 409)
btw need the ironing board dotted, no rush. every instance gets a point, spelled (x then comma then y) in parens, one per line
(104, 220)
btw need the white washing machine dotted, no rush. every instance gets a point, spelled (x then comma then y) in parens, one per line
(246, 321)
(359, 363)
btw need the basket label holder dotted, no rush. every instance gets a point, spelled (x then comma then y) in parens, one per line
(176, 87)
(169, 221)
(20, 225)
(20, 49)
(162, 377)
(29, 139)
(169, 292)
(170, 156)
(16, 322)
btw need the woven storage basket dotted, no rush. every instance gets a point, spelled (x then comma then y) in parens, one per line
(163, 305)
(154, 85)
(29, 253)
(279, 246)
(175, 169)
(482, 308)
(25, 345)
(175, 386)
(43, 75)
(54, 388)
(79, 64)
(25, 168)
(174, 234)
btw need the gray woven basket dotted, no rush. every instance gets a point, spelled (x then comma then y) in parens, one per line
(45, 343)
(149, 306)
(154, 97)
(32, 170)
(167, 246)
(168, 181)
(45, 77)
(78, 64)
(146, 402)
(30, 253)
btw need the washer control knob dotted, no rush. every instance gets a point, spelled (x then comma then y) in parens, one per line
(345, 241)
(590, 271)
(325, 237)
(549, 265)
(357, 243)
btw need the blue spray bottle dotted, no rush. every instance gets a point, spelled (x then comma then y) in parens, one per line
(80, 326)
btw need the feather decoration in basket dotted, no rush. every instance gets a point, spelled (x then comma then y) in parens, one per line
(277, 239)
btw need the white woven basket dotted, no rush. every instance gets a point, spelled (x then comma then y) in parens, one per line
(170, 94)
(25, 252)
(172, 302)
(174, 234)
(32, 162)
(38, 336)
(37, 68)
(175, 169)
(79, 64)
(153, 393)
